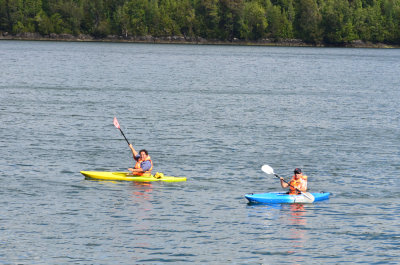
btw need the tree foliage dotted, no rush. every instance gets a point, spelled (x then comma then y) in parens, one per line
(314, 21)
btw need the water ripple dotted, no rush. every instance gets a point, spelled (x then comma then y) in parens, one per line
(214, 114)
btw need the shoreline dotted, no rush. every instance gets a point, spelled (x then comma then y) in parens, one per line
(183, 40)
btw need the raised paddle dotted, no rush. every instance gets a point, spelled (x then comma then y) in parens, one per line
(116, 124)
(270, 171)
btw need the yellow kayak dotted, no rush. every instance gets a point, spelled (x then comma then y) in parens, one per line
(101, 175)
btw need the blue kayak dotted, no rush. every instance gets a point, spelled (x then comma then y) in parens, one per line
(283, 197)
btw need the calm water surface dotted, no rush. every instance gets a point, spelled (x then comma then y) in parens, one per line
(214, 114)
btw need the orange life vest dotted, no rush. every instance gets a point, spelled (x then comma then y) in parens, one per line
(137, 166)
(301, 183)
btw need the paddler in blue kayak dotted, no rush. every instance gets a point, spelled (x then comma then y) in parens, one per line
(143, 165)
(297, 183)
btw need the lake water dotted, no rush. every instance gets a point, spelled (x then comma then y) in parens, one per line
(214, 114)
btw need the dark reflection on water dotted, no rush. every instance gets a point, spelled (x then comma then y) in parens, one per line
(214, 114)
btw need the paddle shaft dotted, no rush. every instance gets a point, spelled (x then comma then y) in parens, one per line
(124, 136)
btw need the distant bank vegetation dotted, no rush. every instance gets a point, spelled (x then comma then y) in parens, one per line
(331, 22)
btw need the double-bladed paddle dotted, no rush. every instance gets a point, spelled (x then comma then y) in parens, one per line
(116, 124)
(270, 171)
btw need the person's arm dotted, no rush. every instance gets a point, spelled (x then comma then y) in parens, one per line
(134, 153)
(144, 166)
(283, 183)
(135, 170)
(135, 156)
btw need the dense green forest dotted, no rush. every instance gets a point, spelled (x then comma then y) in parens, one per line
(313, 21)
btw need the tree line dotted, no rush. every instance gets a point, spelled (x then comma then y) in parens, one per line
(333, 22)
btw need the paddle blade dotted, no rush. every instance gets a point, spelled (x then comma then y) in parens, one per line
(304, 197)
(116, 124)
(267, 169)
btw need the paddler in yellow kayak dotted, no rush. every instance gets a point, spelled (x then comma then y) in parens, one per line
(297, 183)
(143, 165)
